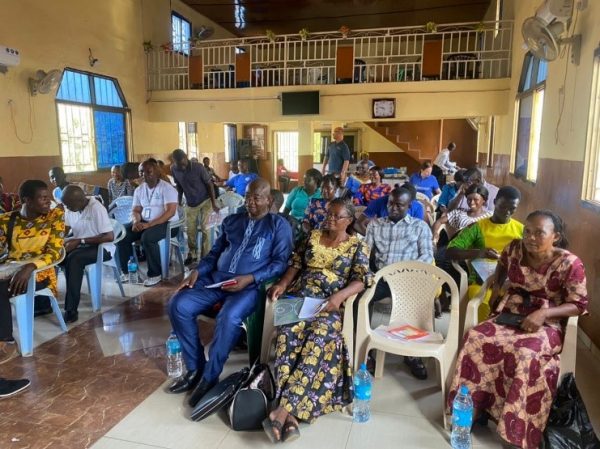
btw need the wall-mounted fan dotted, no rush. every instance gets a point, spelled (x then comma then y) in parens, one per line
(542, 32)
(204, 32)
(44, 82)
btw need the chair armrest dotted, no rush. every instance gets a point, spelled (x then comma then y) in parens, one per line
(464, 279)
(63, 254)
(348, 327)
(471, 317)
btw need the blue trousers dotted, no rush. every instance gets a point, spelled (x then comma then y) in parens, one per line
(184, 309)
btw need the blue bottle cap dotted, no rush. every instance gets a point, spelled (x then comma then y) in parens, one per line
(363, 367)
(464, 389)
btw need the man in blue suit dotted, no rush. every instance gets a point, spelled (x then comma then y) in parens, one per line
(253, 247)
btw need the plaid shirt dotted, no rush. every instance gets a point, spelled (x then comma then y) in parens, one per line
(408, 240)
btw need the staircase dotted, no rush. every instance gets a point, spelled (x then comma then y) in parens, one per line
(410, 156)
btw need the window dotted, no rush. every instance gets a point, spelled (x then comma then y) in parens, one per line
(188, 139)
(92, 122)
(181, 33)
(230, 137)
(320, 141)
(591, 177)
(528, 118)
(287, 148)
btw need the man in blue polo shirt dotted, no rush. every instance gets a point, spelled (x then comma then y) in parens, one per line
(241, 181)
(379, 209)
(337, 157)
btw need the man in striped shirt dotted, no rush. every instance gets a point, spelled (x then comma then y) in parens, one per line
(396, 238)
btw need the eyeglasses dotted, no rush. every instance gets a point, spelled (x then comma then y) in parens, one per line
(335, 217)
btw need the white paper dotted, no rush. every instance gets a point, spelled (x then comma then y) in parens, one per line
(311, 307)
(218, 284)
(484, 267)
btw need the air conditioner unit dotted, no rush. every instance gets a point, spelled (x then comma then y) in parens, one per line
(9, 56)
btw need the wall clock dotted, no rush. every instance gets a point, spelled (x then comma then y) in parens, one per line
(384, 108)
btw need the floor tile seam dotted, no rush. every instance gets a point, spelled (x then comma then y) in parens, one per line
(220, 444)
(133, 442)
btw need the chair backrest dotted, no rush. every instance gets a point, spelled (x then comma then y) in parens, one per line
(118, 230)
(231, 200)
(414, 287)
(120, 209)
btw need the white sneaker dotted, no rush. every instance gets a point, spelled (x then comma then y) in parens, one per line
(124, 278)
(152, 281)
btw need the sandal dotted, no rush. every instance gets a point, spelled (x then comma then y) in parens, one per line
(270, 426)
(291, 430)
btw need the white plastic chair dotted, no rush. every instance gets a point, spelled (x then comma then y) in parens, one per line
(120, 209)
(434, 200)
(94, 272)
(414, 287)
(568, 355)
(269, 330)
(462, 294)
(24, 308)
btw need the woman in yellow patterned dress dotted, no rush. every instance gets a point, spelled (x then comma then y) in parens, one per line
(36, 241)
(312, 365)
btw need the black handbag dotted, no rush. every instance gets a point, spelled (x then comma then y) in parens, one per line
(220, 395)
(250, 404)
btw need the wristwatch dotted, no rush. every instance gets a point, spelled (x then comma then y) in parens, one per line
(82, 241)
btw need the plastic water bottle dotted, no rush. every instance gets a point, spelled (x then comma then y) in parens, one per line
(132, 268)
(462, 419)
(174, 360)
(361, 410)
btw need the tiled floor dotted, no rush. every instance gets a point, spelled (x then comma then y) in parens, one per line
(102, 384)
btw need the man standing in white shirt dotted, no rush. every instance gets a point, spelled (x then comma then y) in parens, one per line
(89, 224)
(154, 205)
(442, 165)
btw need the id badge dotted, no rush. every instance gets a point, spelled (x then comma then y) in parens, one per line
(146, 213)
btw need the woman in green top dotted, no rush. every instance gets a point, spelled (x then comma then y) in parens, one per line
(300, 196)
(487, 238)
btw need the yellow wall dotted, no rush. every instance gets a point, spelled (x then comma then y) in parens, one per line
(156, 16)
(343, 102)
(57, 34)
(570, 144)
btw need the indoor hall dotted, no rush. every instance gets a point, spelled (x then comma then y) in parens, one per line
(101, 84)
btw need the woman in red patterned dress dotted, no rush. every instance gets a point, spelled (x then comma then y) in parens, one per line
(512, 372)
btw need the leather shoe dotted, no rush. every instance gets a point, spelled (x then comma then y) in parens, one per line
(417, 368)
(70, 316)
(186, 383)
(199, 392)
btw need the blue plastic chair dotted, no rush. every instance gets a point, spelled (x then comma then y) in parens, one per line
(120, 209)
(165, 245)
(24, 305)
(94, 272)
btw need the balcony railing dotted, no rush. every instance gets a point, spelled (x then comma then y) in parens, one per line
(443, 52)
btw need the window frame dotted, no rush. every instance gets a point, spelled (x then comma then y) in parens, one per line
(125, 110)
(591, 170)
(182, 50)
(534, 89)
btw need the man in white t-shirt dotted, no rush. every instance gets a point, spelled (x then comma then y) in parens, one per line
(89, 225)
(154, 204)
